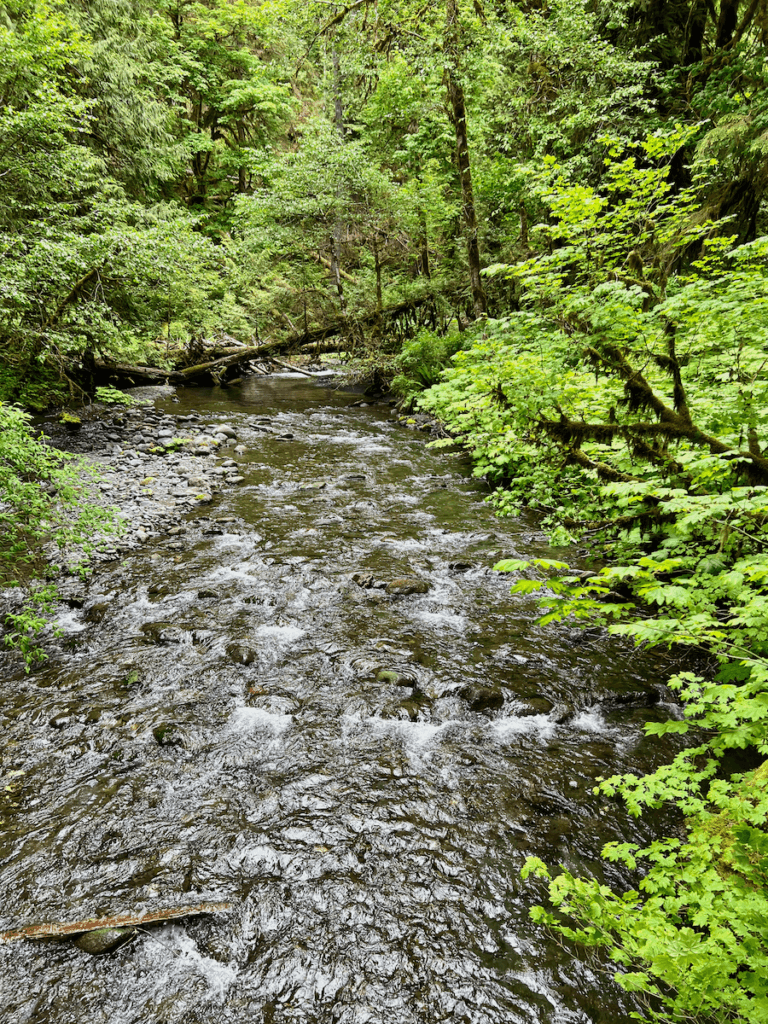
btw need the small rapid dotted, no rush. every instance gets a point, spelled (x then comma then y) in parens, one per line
(316, 701)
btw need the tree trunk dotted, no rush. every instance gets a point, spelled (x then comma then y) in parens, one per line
(697, 23)
(726, 23)
(459, 117)
(424, 258)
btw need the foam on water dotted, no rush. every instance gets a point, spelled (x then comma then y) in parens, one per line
(540, 726)
(282, 634)
(70, 621)
(247, 719)
(441, 620)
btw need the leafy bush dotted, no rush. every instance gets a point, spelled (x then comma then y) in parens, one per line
(423, 359)
(41, 502)
(113, 396)
(593, 403)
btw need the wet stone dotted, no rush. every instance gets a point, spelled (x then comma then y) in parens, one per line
(96, 612)
(167, 735)
(481, 698)
(103, 940)
(406, 586)
(164, 633)
(241, 654)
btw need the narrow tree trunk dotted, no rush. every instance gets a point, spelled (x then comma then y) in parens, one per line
(337, 227)
(379, 303)
(694, 35)
(241, 179)
(377, 265)
(459, 117)
(424, 258)
(726, 23)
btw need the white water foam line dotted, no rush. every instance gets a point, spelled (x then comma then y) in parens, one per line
(282, 634)
(540, 726)
(187, 958)
(70, 621)
(442, 620)
(247, 719)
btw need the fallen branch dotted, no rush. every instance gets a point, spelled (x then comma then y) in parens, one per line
(241, 355)
(290, 366)
(63, 930)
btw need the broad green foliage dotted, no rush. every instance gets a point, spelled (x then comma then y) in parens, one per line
(41, 502)
(594, 403)
(422, 360)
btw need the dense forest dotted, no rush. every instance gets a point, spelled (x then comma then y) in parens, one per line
(544, 223)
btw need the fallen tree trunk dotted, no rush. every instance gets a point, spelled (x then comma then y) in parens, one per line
(214, 370)
(61, 930)
(214, 367)
(323, 346)
(125, 373)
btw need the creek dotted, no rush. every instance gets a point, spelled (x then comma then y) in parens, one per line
(359, 772)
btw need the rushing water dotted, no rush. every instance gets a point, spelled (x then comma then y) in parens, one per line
(367, 831)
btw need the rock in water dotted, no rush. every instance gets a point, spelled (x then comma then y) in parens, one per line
(407, 585)
(102, 940)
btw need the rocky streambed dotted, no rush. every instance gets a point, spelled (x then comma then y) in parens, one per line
(296, 686)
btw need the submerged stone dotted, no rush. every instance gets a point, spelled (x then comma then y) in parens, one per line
(481, 698)
(102, 940)
(407, 585)
(241, 654)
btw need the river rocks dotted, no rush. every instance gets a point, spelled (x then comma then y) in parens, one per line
(407, 585)
(97, 611)
(534, 706)
(387, 676)
(207, 593)
(235, 479)
(362, 578)
(632, 699)
(163, 633)
(562, 712)
(241, 653)
(167, 735)
(225, 430)
(103, 940)
(481, 698)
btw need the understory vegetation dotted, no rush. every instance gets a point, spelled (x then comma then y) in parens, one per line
(545, 222)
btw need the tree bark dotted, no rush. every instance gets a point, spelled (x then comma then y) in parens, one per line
(459, 118)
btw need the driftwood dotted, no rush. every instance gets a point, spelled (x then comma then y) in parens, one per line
(64, 930)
